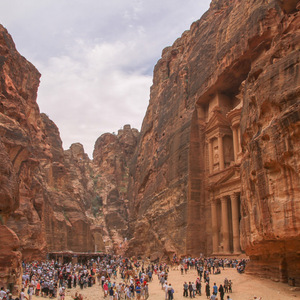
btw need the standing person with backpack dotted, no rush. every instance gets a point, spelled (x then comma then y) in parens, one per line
(170, 292)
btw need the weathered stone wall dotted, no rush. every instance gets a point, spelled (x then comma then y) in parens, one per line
(18, 122)
(270, 169)
(45, 191)
(10, 256)
(226, 51)
(112, 154)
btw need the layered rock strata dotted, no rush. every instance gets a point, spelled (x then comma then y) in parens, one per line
(46, 192)
(112, 156)
(270, 202)
(217, 164)
(51, 199)
(18, 120)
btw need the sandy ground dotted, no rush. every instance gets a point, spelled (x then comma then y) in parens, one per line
(245, 287)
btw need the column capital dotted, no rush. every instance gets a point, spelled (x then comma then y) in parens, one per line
(235, 126)
(224, 199)
(235, 195)
(213, 201)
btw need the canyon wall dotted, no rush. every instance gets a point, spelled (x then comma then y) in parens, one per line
(18, 121)
(270, 223)
(236, 72)
(54, 199)
(112, 155)
(45, 191)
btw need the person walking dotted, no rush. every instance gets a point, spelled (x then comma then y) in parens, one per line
(215, 289)
(194, 289)
(221, 291)
(170, 292)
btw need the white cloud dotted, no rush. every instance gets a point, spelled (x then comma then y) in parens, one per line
(89, 92)
(96, 57)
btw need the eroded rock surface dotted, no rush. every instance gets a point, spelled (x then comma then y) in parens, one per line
(270, 169)
(18, 120)
(241, 56)
(112, 156)
(46, 192)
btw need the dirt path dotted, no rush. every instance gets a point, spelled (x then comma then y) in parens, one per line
(245, 287)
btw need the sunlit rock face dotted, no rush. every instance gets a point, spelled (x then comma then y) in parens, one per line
(111, 159)
(45, 191)
(18, 120)
(270, 221)
(54, 199)
(10, 256)
(230, 83)
(68, 193)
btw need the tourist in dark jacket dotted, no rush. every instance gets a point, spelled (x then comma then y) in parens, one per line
(221, 291)
(207, 290)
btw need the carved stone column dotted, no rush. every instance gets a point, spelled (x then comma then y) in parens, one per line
(235, 142)
(225, 225)
(210, 156)
(221, 152)
(235, 222)
(239, 139)
(214, 224)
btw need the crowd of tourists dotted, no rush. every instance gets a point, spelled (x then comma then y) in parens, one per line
(205, 267)
(50, 279)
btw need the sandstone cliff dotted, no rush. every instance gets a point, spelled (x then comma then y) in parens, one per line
(112, 155)
(51, 199)
(270, 169)
(239, 54)
(18, 123)
(45, 191)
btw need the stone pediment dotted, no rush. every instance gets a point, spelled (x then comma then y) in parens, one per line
(228, 176)
(216, 121)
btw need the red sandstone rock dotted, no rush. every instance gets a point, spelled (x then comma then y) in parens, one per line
(47, 209)
(112, 155)
(251, 60)
(10, 256)
(270, 168)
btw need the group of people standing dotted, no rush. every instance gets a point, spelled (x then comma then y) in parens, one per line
(51, 279)
(205, 267)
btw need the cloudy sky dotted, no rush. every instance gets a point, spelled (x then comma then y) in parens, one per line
(96, 57)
